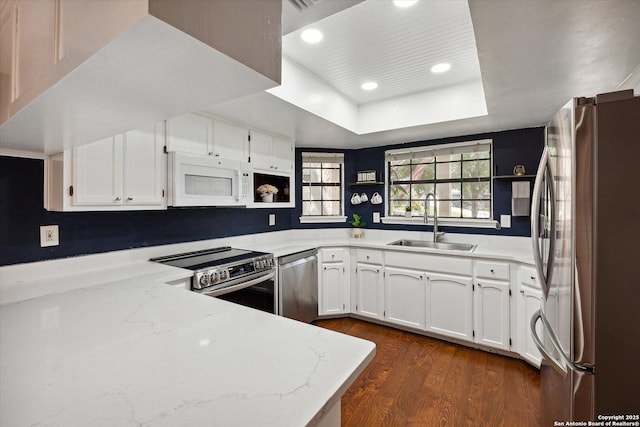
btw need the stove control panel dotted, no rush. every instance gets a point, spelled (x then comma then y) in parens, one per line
(218, 275)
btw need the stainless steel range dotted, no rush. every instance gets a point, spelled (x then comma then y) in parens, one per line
(237, 275)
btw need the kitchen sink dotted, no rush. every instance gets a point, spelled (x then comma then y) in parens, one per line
(434, 245)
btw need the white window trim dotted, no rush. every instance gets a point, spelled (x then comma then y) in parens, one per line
(322, 158)
(425, 150)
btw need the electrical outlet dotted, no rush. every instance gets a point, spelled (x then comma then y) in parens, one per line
(49, 236)
(505, 221)
(272, 219)
(376, 217)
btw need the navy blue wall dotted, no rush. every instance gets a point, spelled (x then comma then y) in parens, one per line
(22, 214)
(520, 146)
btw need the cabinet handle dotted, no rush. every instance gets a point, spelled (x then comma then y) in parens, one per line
(522, 291)
(479, 285)
(333, 255)
(275, 167)
(421, 277)
(325, 268)
(129, 199)
(118, 199)
(211, 153)
(533, 278)
(492, 270)
(217, 154)
(377, 271)
(367, 256)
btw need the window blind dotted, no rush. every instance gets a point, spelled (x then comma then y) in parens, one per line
(437, 150)
(323, 157)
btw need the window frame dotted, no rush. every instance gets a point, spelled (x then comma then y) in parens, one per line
(332, 157)
(433, 151)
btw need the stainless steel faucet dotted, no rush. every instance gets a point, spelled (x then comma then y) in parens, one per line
(435, 214)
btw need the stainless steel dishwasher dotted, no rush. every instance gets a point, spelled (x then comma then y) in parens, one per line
(298, 285)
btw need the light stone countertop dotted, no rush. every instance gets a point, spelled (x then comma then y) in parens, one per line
(138, 352)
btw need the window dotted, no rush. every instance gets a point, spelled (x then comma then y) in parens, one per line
(458, 174)
(322, 187)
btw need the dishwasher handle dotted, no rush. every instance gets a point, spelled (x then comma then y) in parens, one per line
(297, 258)
(298, 262)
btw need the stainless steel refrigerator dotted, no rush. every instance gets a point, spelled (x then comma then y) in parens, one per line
(586, 238)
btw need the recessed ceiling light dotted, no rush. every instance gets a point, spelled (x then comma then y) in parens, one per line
(312, 35)
(369, 85)
(441, 68)
(404, 3)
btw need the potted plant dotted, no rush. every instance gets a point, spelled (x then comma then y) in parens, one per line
(357, 223)
(407, 212)
(266, 192)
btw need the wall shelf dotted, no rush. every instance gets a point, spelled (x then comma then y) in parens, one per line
(367, 183)
(513, 177)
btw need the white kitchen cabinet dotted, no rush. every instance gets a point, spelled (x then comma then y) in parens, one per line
(124, 172)
(271, 153)
(369, 295)
(190, 133)
(449, 305)
(529, 298)
(404, 296)
(491, 313)
(334, 284)
(203, 135)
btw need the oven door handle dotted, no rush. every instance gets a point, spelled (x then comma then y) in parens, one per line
(243, 285)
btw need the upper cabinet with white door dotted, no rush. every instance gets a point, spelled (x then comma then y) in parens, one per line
(201, 134)
(271, 153)
(124, 172)
(76, 71)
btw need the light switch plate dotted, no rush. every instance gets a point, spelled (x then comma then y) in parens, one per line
(376, 217)
(505, 221)
(272, 219)
(49, 236)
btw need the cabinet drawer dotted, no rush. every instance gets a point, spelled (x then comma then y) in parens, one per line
(529, 277)
(371, 257)
(435, 263)
(492, 270)
(333, 254)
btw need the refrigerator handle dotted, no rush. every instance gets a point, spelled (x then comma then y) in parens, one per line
(535, 220)
(555, 364)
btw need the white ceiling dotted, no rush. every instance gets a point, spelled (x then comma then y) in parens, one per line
(534, 55)
(395, 47)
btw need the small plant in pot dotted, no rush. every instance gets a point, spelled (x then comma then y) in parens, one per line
(358, 224)
(407, 211)
(266, 192)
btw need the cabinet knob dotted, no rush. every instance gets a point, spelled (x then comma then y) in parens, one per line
(325, 268)
(522, 291)
(421, 277)
(533, 278)
(211, 153)
(479, 285)
(118, 199)
(333, 255)
(275, 167)
(492, 270)
(130, 199)
(367, 256)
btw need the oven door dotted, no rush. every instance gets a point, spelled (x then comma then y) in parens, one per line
(258, 292)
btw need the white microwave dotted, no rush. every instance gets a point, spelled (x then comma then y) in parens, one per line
(208, 181)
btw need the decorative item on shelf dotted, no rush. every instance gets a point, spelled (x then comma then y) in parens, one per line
(519, 170)
(355, 199)
(364, 198)
(266, 192)
(357, 224)
(366, 176)
(376, 199)
(407, 212)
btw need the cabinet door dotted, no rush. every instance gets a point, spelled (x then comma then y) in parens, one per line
(282, 155)
(230, 142)
(491, 314)
(404, 295)
(190, 133)
(369, 290)
(7, 35)
(260, 151)
(35, 43)
(449, 305)
(144, 166)
(332, 298)
(97, 173)
(529, 300)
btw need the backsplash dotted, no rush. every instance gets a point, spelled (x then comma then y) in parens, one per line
(520, 146)
(22, 214)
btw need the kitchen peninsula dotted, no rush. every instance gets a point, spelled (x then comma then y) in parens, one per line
(129, 350)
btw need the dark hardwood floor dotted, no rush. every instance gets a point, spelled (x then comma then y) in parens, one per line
(420, 381)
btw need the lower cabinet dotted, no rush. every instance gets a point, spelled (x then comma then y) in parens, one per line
(369, 290)
(404, 296)
(334, 286)
(529, 298)
(491, 314)
(449, 309)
